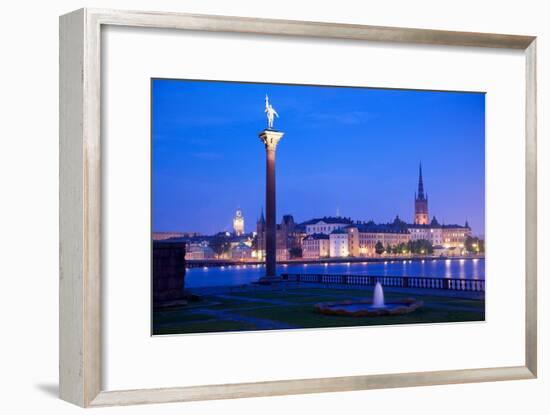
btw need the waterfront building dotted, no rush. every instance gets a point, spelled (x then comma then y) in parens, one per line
(363, 237)
(316, 246)
(241, 252)
(297, 238)
(282, 240)
(444, 236)
(432, 232)
(284, 231)
(238, 223)
(289, 236)
(454, 236)
(421, 216)
(339, 243)
(162, 236)
(199, 251)
(290, 233)
(326, 224)
(235, 240)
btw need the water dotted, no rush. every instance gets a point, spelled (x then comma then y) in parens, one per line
(378, 297)
(244, 274)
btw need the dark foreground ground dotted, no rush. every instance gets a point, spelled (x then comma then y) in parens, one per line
(290, 306)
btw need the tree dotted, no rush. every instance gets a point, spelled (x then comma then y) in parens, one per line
(481, 244)
(474, 245)
(402, 248)
(255, 242)
(389, 249)
(379, 248)
(468, 244)
(220, 244)
(421, 247)
(295, 252)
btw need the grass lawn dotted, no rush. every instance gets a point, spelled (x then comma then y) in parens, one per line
(211, 326)
(304, 316)
(294, 308)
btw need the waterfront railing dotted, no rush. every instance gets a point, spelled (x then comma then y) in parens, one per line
(455, 284)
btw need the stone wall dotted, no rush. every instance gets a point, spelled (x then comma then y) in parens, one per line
(168, 272)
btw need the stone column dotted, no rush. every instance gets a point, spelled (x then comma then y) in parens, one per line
(270, 138)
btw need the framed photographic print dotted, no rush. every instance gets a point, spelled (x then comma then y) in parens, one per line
(206, 188)
(289, 193)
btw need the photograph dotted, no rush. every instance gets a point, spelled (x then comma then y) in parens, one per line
(288, 206)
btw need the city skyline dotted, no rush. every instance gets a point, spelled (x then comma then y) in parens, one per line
(355, 150)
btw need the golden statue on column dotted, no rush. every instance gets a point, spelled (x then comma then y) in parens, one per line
(270, 137)
(270, 113)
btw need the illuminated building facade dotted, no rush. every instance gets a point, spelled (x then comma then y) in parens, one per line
(315, 246)
(454, 236)
(440, 235)
(363, 237)
(339, 243)
(326, 225)
(199, 251)
(241, 252)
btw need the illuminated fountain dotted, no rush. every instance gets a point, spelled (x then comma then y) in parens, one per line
(378, 298)
(375, 308)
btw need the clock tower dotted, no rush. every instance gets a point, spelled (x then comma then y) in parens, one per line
(238, 223)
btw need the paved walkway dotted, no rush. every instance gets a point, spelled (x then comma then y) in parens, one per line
(448, 307)
(258, 323)
(254, 300)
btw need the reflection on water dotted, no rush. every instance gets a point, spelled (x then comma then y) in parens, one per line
(244, 274)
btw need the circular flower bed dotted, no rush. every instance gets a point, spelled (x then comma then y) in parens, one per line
(365, 308)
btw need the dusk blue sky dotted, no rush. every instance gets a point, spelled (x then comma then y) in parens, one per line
(352, 149)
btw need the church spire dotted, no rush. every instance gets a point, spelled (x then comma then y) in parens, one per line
(420, 184)
(420, 202)
(262, 218)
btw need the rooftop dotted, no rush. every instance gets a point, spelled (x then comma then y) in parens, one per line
(339, 231)
(380, 228)
(435, 224)
(329, 220)
(317, 236)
